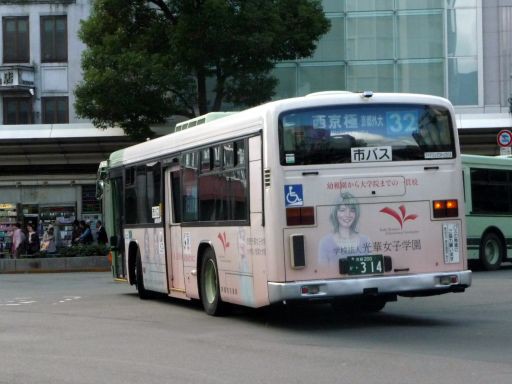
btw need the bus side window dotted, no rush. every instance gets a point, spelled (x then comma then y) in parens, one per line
(189, 185)
(130, 197)
(240, 153)
(176, 194)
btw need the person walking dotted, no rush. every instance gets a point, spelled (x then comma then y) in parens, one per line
(18, 241)
(33, 240)
(101, 233)
(77, 232)
(48, 243)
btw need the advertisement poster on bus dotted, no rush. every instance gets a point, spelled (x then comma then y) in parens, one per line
(358, 237)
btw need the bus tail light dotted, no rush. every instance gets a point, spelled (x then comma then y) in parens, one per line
(449, 280)
(310, 289)
(445, 208)
(300, 216)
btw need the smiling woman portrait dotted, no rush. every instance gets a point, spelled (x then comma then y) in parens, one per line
(344, 240)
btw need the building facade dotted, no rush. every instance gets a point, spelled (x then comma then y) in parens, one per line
(48, 156)
(459, 49)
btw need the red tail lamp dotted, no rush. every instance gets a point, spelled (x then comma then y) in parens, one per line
(300, 216)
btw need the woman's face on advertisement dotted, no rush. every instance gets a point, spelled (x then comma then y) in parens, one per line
(346, 215)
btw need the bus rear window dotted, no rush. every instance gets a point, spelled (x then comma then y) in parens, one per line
(365, 133)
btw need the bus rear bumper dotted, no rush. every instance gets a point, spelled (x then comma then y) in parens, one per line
(427, 284)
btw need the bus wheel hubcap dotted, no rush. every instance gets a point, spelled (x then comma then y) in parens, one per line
(210, 282)
(491, 251)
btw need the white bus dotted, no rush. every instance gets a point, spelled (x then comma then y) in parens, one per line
(350, 198)
(488, 198)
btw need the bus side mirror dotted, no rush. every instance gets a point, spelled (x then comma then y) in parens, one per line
(100, 186)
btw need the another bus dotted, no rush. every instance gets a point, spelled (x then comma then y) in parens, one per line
(488, 197)
(352, 198)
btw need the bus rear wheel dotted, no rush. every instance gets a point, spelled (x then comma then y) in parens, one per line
(210, 289)
(139, 278)
(491, 251)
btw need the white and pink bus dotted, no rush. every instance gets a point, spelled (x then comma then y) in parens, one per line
(351, 198)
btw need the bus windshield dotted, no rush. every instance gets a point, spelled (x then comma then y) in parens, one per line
(365, 133)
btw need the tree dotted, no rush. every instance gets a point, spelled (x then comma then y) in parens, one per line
(149, 59)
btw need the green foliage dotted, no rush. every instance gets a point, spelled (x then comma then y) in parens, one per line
(78, 250)
(149, 59)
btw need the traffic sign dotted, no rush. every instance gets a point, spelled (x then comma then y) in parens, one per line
(504, 138)
(505, 151)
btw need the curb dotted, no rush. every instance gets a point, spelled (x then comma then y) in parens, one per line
(56, 264)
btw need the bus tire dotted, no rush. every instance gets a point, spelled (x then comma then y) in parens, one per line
(210, 289)
(139, 278)
(491, 251)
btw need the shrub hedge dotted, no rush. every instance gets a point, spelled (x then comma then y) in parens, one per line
(77, 250)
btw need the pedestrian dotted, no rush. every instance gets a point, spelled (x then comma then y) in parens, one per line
(86, 236)
(18, 241)
(101, 233)
(75, 235)
(33, 240)
(48, 243)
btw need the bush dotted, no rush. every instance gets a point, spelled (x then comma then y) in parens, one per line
(78, 250)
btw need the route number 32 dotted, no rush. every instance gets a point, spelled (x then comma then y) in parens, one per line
(402, 122)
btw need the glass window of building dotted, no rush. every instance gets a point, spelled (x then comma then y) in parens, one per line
(16, 47)
(371, 76)
(462, 53)
(462, 32)
(420, 4)
(463, 80)
(55, 110)
(332, 45)
(423, 46)
(333, 5)
(369, 5)
(370, 36)
(421, 77)
(316, 78)
(420, 35)
(461, 3)
(17, 110)
(286, 75)
(54, 39)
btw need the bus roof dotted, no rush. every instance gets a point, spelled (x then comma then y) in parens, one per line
(251, 120)
(200, 120)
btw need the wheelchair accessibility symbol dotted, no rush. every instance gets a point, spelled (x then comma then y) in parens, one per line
(293, 196)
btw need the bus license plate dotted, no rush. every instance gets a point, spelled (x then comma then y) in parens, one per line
(364, 265)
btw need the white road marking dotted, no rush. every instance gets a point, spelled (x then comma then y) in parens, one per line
(19, 301)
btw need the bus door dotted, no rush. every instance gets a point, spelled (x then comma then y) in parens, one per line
(173, 243)
(114, 225)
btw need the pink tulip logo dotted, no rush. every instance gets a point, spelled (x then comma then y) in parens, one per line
(399, 215)
(223, 239)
